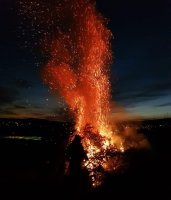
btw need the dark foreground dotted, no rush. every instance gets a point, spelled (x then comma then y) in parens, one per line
(33, 167)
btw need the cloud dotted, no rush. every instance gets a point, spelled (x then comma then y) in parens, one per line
(21, 83)
(16, 110)
(19, 106)
(62, 114)
(7, 112)
(164, 104)
(148, 93)
(8, 95)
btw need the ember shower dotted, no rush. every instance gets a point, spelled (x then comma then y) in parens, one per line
(76, 39)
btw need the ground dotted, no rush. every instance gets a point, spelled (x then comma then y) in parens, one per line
(35, 168)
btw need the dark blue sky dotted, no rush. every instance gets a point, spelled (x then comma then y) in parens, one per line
(140, 73)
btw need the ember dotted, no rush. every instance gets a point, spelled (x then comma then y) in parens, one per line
(78, 70)
(78, 45)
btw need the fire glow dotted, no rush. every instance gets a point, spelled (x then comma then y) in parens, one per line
(78, 44)
(79, 71)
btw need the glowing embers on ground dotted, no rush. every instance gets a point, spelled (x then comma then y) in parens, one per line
(102, 156)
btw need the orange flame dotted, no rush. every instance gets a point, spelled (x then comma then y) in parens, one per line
(76, 40)
(78, 69)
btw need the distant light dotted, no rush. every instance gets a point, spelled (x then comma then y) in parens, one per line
(36, 138)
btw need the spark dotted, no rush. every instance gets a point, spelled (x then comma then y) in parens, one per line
(76, 45)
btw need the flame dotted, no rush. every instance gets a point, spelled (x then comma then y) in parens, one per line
(79, 70)
(77, 44)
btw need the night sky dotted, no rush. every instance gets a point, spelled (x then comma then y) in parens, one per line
(140, 73)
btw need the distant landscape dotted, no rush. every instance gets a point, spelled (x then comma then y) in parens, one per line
(33, 152)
